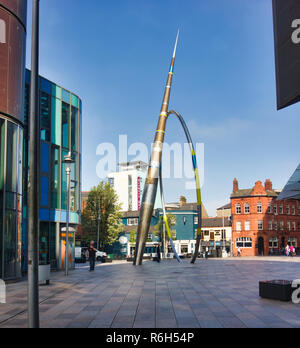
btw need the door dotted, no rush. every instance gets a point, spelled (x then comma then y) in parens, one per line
(261, 246)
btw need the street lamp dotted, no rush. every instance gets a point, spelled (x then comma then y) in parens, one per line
(68, 161)
(98, 233)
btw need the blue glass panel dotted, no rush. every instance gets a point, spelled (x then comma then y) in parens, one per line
(27, 76)
(44, 214)
(63, 216)
(45, 192)
(66, 96)
(45, 158)
(45, 85)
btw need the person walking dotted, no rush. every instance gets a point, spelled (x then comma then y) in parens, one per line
(239, 252)
(287, 250)
(91, 255)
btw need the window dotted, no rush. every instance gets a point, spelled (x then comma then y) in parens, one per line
(212, 236)
(74, 127)
(280, 209)
(289, 226)
(65, 125)
(196, 220)
(260, 225)
(218, 233)
(132, 221)
(247, 208)
(129, 192)
(223, 234)
(247, 225)
(45, 115)
(288, 210)
(244, 242)
(184, 249)
(293, 241)
(275, 225)
(238, 209)
(281, 225)
(270, 208)
(238, 226)
(273, 243)
(294, 226)
(149, 236)
(259, 208)
(275, 209)
(270, 225)
(55, 177)
(293, 210)
(206, 233)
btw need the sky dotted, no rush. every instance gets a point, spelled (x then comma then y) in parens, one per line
(115, 55)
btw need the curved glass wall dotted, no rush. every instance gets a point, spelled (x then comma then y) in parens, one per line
(11, 152)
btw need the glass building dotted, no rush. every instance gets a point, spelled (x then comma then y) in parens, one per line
(12, 69)
(60, 133)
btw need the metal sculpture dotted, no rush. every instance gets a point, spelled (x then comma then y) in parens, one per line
(154, 173)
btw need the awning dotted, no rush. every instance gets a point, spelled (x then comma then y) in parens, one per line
(292, 188)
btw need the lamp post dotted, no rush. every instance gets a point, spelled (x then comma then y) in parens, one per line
(33, 177)
(98, 232)
(68, 161)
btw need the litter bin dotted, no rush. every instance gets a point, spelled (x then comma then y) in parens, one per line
(44, 274)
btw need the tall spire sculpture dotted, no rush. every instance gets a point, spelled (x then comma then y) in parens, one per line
(151, 184)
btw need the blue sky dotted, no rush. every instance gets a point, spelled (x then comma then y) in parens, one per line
(115, 55)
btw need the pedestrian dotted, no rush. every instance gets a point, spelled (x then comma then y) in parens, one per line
(206, 253)
(91, 255)
(239, 252)
(292, 250)
(287, 250)
(158, 254)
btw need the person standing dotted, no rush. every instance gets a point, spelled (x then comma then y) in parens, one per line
(91, 255)
(158, 254)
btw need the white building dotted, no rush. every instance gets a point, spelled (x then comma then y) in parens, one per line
(129, 183)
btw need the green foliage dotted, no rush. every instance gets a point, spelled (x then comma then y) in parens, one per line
(159, 228)
(102, 201)
(132, 236)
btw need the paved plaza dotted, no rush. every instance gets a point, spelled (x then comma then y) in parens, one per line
(210, 294)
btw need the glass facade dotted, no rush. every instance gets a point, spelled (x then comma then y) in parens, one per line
(11, 159)
(60, 125)
(12, 72)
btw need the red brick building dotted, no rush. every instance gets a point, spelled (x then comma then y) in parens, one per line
(262, 224)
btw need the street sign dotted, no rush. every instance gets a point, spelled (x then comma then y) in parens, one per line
(287, 51)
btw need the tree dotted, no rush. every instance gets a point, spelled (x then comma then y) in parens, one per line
(102, 202)
(132, 236)
(183, 199)
(159, 228)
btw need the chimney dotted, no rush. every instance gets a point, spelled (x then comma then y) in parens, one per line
(182, 201)
(268, 185)
(235, 185)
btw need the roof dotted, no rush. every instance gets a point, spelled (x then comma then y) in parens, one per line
(248, 193)
(292, 188)
(227, 206)
(134, 214)
(189, 207)
(216, 222)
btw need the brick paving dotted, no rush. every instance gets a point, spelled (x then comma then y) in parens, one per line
(210, 294)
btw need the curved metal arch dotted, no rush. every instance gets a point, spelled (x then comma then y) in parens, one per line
(198, 191)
